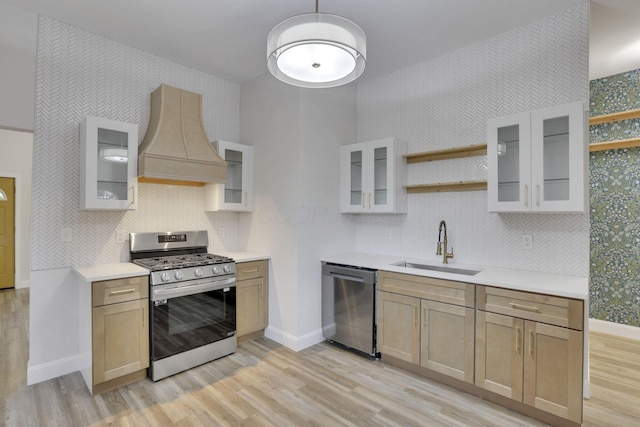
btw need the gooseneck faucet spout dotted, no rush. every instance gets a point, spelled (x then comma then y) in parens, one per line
(442, 245)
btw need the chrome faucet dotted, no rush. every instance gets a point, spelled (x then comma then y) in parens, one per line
(442, 245)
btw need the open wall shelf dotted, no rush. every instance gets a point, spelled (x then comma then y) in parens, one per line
(447, 186)
(620, 143)
(448, 153)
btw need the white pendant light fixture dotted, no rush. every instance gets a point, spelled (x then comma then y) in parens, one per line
(117, 155)
(316, 50)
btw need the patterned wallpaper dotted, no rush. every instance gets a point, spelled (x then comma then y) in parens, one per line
(445, 102)
(615, 204)
(79, 74)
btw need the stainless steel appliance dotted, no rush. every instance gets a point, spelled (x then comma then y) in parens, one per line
(349, 307)
(193, 300)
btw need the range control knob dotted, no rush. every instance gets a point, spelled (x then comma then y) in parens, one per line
(164, 277)
(178, 275)
(226, 269)
(198, 272)
(216, 270)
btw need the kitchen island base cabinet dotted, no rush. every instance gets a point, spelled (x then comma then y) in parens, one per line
(252, 299)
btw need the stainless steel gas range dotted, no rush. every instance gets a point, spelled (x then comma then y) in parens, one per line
(193, 300)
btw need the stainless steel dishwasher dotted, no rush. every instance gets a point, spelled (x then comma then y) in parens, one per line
(349, 307)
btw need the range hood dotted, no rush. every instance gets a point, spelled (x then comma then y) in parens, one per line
(175, 149)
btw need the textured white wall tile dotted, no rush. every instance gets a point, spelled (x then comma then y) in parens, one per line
(445, 103)
(80, 74)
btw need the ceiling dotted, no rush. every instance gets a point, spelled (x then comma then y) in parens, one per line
(227, 38)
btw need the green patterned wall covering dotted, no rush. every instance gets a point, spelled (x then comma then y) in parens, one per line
(615, 204)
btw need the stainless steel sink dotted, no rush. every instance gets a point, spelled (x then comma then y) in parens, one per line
(440, 268)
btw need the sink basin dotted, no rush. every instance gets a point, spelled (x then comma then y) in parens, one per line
(440, 268)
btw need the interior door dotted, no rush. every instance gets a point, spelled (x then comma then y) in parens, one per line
(7, 233)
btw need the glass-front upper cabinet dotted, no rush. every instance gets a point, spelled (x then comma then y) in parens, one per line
(108, 164)
(537, 161)
(237, 193)
(372, 177)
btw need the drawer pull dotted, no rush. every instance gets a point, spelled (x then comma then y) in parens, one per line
(123, 291)
(251, 270)
(524, 307)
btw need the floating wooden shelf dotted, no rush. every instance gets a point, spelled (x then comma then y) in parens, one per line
(615, 145)
(614, 117)
(169, 182)
(447, 186)
(449, 153)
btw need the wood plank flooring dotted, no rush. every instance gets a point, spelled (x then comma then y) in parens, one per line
(266, 384)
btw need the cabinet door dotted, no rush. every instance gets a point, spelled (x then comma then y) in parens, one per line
(120, 339)
(499, 354)
(108, 164)
(553, 370)
(250, 313)
(559, 158)
(509, 163)
(447, 335)
(236, 194)
(353, 181)
(398, 330)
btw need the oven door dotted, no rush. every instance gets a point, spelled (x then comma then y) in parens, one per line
(187, 317)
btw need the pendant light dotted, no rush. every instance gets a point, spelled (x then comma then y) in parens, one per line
(316, 50)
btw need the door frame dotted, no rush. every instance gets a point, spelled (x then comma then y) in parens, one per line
(17, 236)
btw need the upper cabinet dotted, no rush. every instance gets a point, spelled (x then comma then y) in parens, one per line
(237, 193)
(372, 175)
(108, 164)
(537, 161)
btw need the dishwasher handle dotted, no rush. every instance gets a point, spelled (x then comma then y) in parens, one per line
(345, 277)
(355, 274)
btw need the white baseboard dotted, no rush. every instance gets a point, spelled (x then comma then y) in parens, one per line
(54, 369)
(293, 342)
(617, 329)
(23, 284)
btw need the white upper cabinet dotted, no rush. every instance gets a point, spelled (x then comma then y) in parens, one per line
(372, 176)
(108, 164)
(537, 161)
(237, 193)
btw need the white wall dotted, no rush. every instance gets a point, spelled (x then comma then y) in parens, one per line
(80, 74)
(296, 134)
(445, 103)
(16, 151)
(18, 38)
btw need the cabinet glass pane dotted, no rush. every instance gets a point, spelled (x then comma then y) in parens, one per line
(509, 163)
(356, 178)
(233, 186)
(556, 158)
(380, 176)
(112, 164)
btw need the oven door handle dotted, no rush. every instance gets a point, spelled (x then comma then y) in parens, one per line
(164, 294)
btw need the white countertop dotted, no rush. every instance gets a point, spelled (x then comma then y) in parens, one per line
(522, 280)
(110, 271)
(244, 256)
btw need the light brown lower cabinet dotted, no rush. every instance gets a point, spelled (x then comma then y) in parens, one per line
(446, 339)
(252, 297)
(116, 338)
(534, 363)
(398, 326)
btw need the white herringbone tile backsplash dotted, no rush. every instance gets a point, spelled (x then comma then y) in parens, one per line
(445, 103)
(80, 74)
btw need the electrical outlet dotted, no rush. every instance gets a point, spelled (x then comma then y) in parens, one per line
(527, 242)
(121, 236)
(66, 235)
(388, 234)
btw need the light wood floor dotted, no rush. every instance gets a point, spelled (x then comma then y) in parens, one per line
(266, 384)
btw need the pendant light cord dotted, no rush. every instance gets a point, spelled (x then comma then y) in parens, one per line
(317, 6)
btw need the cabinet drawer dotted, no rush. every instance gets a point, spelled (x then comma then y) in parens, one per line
(251, 269)
(120, 290)
(559, 311)
(458, 293)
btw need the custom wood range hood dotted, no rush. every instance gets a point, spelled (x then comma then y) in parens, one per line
(175, 149)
